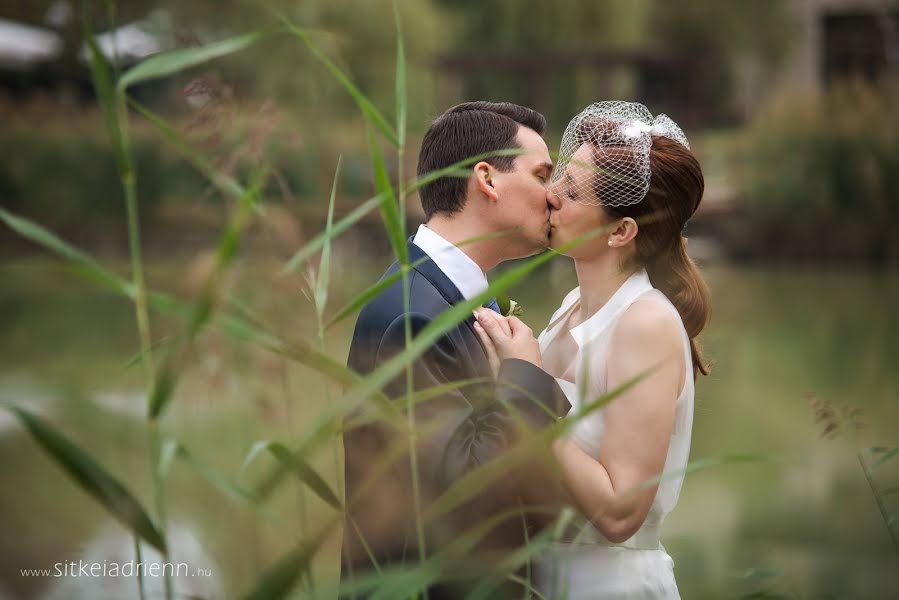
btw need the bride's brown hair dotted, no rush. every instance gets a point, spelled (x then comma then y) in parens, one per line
(675, 190)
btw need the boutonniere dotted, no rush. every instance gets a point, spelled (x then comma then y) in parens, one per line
(508, 307)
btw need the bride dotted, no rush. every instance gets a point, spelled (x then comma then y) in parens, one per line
(638, 309)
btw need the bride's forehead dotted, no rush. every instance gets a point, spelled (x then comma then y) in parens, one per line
(581, 164)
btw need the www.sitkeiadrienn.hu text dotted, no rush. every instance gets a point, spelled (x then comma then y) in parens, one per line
(116, 569)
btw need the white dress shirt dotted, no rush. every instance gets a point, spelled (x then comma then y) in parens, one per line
(465, 274)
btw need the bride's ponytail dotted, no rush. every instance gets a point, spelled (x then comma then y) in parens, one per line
(675, 274)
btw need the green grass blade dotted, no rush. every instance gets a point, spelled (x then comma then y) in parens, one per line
(225, 254)
(280, 578)
(86, 265)
(222, 181)
(102, 79)
(327, 426)
(459, 169)
(324, 268)
(255, 450)
(875, 450)
(417, 398)
(139, 355)
(157, 300)
(890, 491)
(477, 480)
(166, 377)
(571, 420)
(706, 463)
(378, 288)
(406, 583)
(167, 454)
(174, 61)
(92, 478)
(535, 547)
(305, 473)
(303, 353)
(394, 222)
(888, 456)
(163, 387)
(371, 114)
(370, 294)
(400, 79)
(318, 242)
(894, 518)
(227, 488)
(451, 318)
(290, 461)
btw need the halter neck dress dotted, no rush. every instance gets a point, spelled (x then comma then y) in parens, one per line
(584, 564)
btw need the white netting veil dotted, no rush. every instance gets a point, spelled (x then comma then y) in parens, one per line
(604, 157)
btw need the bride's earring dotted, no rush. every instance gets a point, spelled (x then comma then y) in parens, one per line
(610, 243)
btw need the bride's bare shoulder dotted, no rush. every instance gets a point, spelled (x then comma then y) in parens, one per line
(648, 323)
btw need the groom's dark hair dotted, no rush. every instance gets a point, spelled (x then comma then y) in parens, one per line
(464, 131)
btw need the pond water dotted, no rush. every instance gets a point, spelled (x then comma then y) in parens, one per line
(781, 339)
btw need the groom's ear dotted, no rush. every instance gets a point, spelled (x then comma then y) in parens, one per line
(483, 179)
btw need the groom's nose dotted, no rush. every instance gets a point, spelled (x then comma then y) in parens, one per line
(552, 199)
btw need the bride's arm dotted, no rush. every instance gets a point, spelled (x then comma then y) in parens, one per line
(638, 424)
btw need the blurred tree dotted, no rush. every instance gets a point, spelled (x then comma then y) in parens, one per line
(695, 49)
(515, 25)
(741, 44)
(552, 37)
(359, 36)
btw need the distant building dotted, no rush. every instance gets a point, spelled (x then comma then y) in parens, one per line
(24, 47)
(845, 39)
(34, 57)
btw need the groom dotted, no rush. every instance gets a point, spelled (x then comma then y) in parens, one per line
(464, 426)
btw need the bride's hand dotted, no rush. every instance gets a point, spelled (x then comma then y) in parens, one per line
(492, 355)
(506, 338)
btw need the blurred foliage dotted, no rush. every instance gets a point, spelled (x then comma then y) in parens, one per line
(826, 168)
(764, 29)
(360, 37)
(733, 39)
(718, 39)
(84, 189)
(511, 25)
(66, 179)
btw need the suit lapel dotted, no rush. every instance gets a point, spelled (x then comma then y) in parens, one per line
(429, 269)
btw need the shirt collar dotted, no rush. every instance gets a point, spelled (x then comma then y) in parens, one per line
(630, 290)
(463, 272)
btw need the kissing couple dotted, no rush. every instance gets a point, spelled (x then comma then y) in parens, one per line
(617, 202)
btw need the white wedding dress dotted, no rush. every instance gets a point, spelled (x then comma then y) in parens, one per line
(583, 564)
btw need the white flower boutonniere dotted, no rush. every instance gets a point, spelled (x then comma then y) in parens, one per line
(508, 307)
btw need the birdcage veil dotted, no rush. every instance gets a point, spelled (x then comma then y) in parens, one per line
(604, 157)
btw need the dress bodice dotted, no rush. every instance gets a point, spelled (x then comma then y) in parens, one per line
(583, 378)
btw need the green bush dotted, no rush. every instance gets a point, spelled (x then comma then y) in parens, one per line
(823, 174)
(64, 179)
(64, 174)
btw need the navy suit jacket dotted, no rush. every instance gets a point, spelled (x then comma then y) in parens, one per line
(463, 427)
